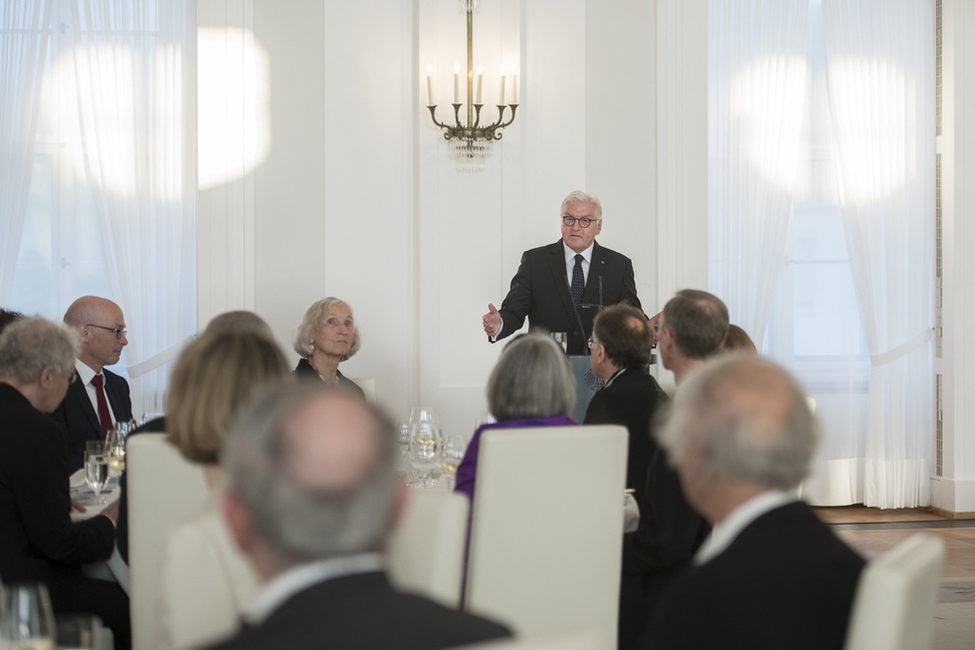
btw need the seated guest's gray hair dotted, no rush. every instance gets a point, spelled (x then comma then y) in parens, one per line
(30, 344)
(532, 379)
(749, 420)
(578, 196)
(239, 320)
(315, 314)
(297, 523)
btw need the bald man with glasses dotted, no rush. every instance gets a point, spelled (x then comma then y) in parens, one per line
(560, 287)
(98, 398)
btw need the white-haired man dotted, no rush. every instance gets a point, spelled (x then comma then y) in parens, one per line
(771, 575)
(559, 287)
(312, 498)
(38, 541)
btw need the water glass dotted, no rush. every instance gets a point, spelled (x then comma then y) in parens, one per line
(26, 618)
(454, 448)
(96, 473)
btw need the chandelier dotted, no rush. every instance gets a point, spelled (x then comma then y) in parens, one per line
(470, 142)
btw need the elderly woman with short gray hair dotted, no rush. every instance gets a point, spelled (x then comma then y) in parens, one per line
(531, 386)
(326, 336)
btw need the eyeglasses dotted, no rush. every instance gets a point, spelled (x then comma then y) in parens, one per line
(119, 332)
(72, 378)
(591, 342)
(582, 221)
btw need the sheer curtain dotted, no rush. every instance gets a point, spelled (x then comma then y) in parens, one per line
(756, 78)
(23, 56)
(136, 125)
(880, 56)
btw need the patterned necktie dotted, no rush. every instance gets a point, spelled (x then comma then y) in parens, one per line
(104, 415)
(578, 281)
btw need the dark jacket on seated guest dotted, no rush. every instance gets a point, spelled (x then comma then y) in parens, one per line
(304, 371)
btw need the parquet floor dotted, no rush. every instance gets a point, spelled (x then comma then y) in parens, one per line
(872, 532)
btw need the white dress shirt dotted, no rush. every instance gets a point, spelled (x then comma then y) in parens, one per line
(85, 375)
(570, 262)
(728, 529)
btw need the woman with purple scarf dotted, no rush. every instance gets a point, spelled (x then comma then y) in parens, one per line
(531, 386)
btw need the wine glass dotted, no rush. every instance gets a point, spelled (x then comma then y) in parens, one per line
(96, 472)
(115, 445)
(27, 619)
(79, 631)
(454, 448)
(424, 448)
(403, 439)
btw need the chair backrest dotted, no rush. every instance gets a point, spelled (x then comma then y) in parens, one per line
(893, 608)
(368, 386)
(545, 545)
(163, 490)
(426, 553)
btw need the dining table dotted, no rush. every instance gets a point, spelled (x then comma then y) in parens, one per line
(114, 569)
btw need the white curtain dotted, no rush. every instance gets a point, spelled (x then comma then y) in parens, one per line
(25, 30)
(133, 62)
(756, 78)
(880, 56)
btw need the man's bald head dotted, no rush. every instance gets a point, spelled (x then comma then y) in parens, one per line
(747, 420)
(100, 325)
(314, 470)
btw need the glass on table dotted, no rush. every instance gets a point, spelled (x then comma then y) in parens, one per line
(79, 631)
(454, 448)
(115, 445)
(403, 440)
(26, 617)
(96, 469)
(424, 447)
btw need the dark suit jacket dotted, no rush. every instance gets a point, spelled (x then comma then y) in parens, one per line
(304, 371)
(363, 611)
(631, 400)
(38, 541)
(540, 292)
(78, 419)
(785, 582)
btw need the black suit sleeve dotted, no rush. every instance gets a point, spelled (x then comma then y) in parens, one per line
(629, 286)
(518, 302)
(44, 503)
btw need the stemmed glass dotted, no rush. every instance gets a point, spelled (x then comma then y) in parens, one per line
(403, 439)
(115, 445)
(26, 617)
(454, 447)
(96, 470)
(424, 442)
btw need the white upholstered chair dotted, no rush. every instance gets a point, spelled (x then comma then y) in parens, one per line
(426, 553)
(545, 547)
(893, 608)
(163, 489)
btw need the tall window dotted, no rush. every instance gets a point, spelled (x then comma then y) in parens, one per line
(821, 202)
(107, 117)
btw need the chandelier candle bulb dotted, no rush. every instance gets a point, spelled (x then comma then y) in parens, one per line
(480, 78)
(514, 87)
(429, 86)
(456, 82)
(501, 98)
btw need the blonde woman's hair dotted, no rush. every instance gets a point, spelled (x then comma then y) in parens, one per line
(217, 375)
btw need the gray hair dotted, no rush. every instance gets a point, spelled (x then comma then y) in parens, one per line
(578, 196)
(306, 328)
(749, 420)
(31, 344)
(299, 523)
(698, 320)
(532, 379)
(239, 320)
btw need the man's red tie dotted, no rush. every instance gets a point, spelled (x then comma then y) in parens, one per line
(104, 415)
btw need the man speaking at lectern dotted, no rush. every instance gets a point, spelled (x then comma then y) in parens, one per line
(561, 286)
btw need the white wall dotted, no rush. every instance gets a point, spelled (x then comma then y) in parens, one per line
(358, 198)
(955, 490)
